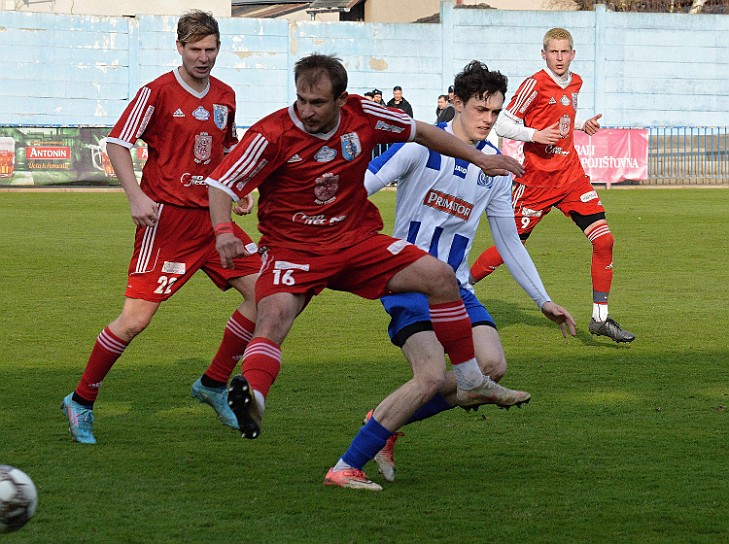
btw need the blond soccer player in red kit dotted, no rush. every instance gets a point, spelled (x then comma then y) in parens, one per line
(542, 114)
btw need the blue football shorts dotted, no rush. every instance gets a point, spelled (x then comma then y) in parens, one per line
(409, 314)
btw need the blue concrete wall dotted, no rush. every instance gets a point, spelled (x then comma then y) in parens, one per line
(639, 69)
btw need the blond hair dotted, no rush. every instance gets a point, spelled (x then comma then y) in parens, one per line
(557, 34)
(195, 25)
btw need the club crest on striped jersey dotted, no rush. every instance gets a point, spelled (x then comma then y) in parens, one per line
(203, 147)
(201, 114)
(484, 180)
(326, 188)
(351, 146)
(220, 116)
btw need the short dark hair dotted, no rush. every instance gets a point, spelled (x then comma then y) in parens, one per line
(369, 93)
(476, 80)
(313, 66)
(397, 88)
(443, 96)
(450, 89)
(195, 25)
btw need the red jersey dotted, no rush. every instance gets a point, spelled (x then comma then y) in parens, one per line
(312, 193)
(186, 132)
(541, 102)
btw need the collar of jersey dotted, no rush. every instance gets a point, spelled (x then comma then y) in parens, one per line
(189, 89)
(563, 82)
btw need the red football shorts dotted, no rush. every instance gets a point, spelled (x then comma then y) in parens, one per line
(363, 269)
(532, 204)
(181, 243)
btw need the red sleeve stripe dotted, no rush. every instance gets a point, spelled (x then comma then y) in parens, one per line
(131, 127)
(247, 162)
(522, 95)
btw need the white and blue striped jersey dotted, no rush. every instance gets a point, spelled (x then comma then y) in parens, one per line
(440, 201)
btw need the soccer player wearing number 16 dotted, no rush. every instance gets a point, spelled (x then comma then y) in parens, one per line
(320, 231)
(546, 103)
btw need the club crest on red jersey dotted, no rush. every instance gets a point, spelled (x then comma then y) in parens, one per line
(325, 188)
(564, 100)
(201, 114)
(325, 154)
(220, 116)
(351, 146)
(203, 147)
(564, 125)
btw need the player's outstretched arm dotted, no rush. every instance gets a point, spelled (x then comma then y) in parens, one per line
(559, 315)
(442, 142)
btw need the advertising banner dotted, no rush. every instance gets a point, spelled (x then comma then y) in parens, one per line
(610, 156)
(59, 156)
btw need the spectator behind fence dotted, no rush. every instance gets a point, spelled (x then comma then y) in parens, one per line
(445, 110)
(397, 101)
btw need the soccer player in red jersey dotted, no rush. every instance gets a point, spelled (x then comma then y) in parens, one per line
(319, 230)
(187, 119)
(542, 114)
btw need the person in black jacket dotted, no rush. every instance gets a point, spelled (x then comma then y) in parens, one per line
(397, 101)
(445, 111)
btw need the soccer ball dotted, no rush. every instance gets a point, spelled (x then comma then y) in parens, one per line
(18, 498)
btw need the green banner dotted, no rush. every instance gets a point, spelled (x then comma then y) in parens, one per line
(59, 156)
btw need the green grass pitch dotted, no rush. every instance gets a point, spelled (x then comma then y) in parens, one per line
(620, 444)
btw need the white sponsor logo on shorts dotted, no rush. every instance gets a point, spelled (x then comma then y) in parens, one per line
(286, 265)
(591, 195)
(173, 268)
(526, 212)
(252, 248)
(397, 246)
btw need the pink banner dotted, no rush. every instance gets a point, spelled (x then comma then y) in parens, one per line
(610, 156)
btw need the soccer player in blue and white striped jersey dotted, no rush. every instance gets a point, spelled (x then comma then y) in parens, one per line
(440, 201)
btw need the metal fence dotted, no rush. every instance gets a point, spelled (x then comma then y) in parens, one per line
(688, 156)
(681, 156)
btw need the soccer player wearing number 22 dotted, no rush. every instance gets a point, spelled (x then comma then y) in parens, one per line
(546, 103)
(187, 119)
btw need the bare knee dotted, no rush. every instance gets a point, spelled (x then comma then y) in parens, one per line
(429, 384)
(126, 326)
(442, 285)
